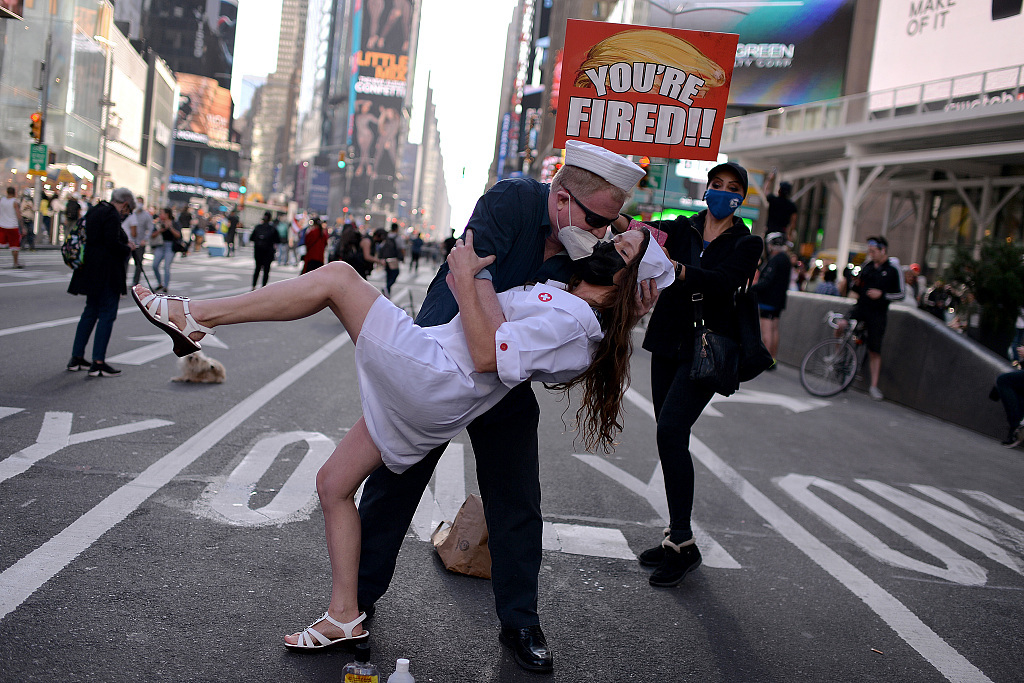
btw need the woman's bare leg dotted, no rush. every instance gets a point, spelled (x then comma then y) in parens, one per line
(336, 286)
(336, 483)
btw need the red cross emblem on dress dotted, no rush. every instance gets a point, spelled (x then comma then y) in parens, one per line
(544, 296)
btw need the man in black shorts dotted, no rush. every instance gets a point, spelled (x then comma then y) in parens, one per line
(771, 287)
(879, 283)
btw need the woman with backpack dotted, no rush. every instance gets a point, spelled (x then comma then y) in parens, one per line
(264, 240)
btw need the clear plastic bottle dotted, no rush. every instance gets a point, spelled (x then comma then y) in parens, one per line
(361, 670)
(401, 674)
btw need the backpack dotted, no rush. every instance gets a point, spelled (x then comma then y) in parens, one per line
(73, 249)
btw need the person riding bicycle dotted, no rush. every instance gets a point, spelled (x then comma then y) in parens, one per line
(879, 284)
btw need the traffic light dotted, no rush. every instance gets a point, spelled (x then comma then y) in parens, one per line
(341, 160)
(241, 186)
(36, 127)
(645, 165)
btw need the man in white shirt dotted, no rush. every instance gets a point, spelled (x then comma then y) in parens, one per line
(10, 224)
(138, 225)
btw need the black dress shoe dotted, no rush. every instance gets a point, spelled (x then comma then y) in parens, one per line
(529, 647)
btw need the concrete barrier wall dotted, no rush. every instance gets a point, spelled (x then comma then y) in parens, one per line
(925, 365)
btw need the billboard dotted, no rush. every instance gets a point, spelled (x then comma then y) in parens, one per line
(788, 52)
(377, 93)
(917, 41)
(193, 36)
(12, 9)
(650, 91)
(204, 111)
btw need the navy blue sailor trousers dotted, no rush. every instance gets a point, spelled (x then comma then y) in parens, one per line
(505, 445)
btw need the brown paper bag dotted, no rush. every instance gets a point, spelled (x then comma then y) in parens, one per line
(462, 546)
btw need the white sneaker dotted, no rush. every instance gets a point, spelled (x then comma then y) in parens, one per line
(875, 394)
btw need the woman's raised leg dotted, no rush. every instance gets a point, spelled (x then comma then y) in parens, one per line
(336, 286)
(336, 484)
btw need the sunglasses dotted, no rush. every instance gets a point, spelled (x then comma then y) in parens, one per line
(594, 220)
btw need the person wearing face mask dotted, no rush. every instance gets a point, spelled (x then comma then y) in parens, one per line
(714, 255)
(519, 221)
(101, 278)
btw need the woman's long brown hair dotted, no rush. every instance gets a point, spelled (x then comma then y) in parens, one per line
(605, 381)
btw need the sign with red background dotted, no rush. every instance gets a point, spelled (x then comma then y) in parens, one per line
(644, 90)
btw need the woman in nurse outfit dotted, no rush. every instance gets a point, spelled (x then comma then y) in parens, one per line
(572, 335)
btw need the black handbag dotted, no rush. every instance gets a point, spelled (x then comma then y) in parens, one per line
(754, 355)
(178, 246)
(716, 358)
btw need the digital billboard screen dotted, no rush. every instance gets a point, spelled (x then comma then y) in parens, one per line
(378, 90)
(788, 53)
(918, 41)
(204, 111)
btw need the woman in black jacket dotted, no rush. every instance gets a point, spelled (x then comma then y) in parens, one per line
(715, 254)
(101, 279)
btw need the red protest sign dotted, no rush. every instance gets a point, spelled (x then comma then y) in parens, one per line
(661, 92)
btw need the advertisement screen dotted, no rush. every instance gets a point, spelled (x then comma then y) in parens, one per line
(13, 9)
(919, 41)
(788, 52)
(204, 110)
(194, 36)
(378, 89)
(650, 91)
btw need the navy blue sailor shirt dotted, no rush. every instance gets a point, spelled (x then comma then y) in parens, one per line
(511, 222)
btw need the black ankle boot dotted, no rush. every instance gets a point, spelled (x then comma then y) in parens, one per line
(652, 557)
(679, 561)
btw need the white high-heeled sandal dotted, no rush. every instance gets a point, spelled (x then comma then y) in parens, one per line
(157, 311)
(311, 639)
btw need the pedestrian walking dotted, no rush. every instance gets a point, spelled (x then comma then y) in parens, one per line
(519, 221)
(357, 250)
(234, 223)
(316, 246)
(101, 278)
(10, 224)
(771, 288)
(579, 336)
(828, 285)
(415, 251)
(162, 242)
(715, 255)
(142, 227)
(388, 254)
(28, 215)
(265, 237)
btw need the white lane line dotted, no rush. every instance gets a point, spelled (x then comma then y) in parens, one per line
(67, 321)
(4, 412)
(26, 576)
(907, 625)
(44, 281)
(55, 434)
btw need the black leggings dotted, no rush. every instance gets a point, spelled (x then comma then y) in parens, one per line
(265, 267)
(678, 402)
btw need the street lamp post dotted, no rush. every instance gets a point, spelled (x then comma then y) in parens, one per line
(106, 104)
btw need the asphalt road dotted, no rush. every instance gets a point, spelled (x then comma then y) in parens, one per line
(162, 531)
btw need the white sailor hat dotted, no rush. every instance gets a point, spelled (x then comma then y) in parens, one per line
(655, 265)
(619, 172)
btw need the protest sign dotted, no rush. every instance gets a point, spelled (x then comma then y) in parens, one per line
(658, 92)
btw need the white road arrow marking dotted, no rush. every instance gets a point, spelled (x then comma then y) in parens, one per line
(162, 347)
(714, 555)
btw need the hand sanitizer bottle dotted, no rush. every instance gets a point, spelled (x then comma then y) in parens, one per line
(401, 674)
(360, 670)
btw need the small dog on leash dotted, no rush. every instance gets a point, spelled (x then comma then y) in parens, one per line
(198, 367)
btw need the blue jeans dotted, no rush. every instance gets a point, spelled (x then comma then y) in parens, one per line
(100, 312)
(165, 254)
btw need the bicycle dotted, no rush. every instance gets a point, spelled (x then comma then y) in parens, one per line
(831, 365)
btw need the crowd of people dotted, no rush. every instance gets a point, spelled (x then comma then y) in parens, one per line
(545, 285)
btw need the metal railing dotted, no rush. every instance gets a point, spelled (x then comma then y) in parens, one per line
(986, 88)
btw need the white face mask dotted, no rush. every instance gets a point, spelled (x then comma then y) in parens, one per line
(577, 241)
